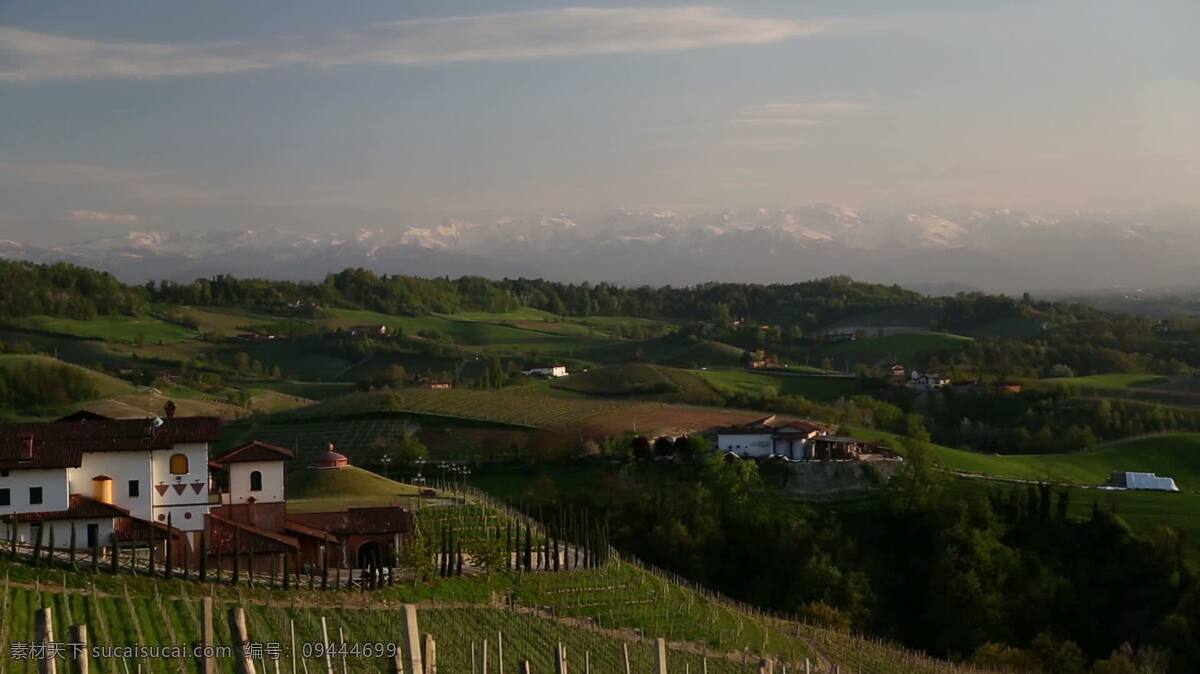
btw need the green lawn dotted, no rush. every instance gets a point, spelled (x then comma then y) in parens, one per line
(109, 328)
(813, 387)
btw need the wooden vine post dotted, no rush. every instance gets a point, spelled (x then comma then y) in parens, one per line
(242, 662)
(45, 636)
(412, 640)
(79, 649)
(207, 664)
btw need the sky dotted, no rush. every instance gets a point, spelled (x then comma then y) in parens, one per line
(330, 116)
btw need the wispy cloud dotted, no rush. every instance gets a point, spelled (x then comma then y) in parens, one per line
(27, 56)
(101, 216)
(812, 113)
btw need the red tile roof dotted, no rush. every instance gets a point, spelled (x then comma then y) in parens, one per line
(78, 508)
(60, 444)
(256, 451)
(309, 531)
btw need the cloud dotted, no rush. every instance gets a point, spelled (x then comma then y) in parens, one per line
(101, 216)
(27, 56)
(813, 113)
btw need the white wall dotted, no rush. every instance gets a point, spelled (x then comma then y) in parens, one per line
(62, 533)
(273, 488)
(121, 467)
(54, 490)
(748, 445)
(186, 496)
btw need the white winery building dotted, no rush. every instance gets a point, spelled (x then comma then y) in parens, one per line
(105, 477)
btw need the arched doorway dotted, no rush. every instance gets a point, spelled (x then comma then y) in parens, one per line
(369, 554)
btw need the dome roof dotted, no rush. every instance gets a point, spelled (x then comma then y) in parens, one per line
(329, 459)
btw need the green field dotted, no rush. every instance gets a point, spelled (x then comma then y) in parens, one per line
(813, 387)
(1107, 381)
(127, 329)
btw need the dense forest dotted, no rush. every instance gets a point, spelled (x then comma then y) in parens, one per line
(1000, 577)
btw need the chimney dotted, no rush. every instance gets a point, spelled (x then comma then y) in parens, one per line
(25, 448)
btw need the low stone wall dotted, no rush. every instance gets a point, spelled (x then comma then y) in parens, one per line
(834, 477)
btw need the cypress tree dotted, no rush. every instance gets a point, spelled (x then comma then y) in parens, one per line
(459, 570)
(203, 554)
(115, 559)
(71, 551)
(96, 554)
(324, 567)
(528, 548)
(287, 582)
(167, 549)
(237, 547)
(50, 549)
(508, 551)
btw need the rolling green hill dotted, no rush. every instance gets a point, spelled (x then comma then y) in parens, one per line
(317, 490)
(104, 384)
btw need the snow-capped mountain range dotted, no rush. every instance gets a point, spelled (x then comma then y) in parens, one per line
(996, 250)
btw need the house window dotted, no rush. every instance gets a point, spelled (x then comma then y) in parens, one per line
(179, 464)
(255, 481)
(135, 489)
(5, 497)
(35, 496)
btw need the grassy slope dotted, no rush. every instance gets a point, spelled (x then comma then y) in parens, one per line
(318, 490)
(103, 383)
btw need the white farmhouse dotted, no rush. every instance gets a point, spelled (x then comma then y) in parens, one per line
(551, 371)
(927, 381)
(106, 477)
(767, 437)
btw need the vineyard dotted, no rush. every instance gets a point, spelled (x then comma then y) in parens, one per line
(528, 408)
(170, 614)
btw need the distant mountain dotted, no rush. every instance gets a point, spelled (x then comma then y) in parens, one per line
(943, 251)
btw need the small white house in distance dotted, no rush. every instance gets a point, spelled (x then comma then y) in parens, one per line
(927, 381)
(551, 371)
(1142, 481)
(769, 437)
